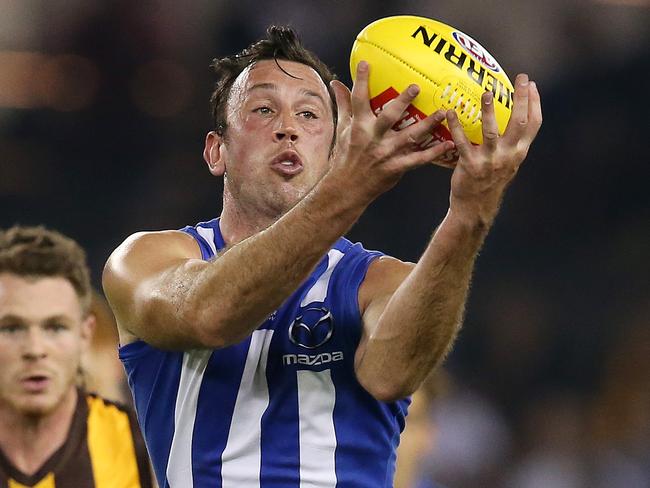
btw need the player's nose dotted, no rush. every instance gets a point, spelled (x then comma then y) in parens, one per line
(34, 346)
(286, 129)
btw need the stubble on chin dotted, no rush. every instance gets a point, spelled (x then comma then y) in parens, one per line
(31, 406)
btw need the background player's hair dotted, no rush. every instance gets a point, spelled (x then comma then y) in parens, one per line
(40, 252)
(281, 43)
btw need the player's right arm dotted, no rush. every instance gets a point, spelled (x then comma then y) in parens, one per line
(163, 292)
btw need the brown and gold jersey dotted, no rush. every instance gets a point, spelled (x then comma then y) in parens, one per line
(104, 449)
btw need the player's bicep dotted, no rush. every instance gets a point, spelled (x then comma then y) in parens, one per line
(383, 278)
(143, 281)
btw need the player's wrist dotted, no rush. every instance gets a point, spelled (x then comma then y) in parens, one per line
(471, 217)
(345, 190)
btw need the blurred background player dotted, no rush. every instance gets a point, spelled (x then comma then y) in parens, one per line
(52, 433)
(103, 371)
(418, 440)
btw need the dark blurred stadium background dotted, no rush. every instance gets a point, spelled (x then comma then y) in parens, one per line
(103, 111)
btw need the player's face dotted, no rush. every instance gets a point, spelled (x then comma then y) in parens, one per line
(42, 336)
(279, 135)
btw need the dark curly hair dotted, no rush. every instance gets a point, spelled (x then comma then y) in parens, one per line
(281, 43)
(40, 252)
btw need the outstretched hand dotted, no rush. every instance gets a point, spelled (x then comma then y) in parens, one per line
(373, 157)
(371, 154)
(484, 171)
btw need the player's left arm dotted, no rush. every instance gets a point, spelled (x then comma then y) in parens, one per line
(411, 314)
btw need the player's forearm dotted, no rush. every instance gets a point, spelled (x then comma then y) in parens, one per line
(238, 290)
(422, 318)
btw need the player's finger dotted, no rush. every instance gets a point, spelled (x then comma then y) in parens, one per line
(444, 164)
(343, 105)
(516, 127)
(360, 97)
(534, 112)
(458, 134)
(428, 156)
(392, 111)
(415, 134)
(489, 128)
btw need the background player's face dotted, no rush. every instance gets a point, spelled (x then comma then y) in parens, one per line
(270, 113)
(42, 336)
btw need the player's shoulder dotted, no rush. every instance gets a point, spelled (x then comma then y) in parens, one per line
(383, 277)
(145, 242)
(145, 250)
(114, 420)
(115, 443)
(388, 268)
(97, 404)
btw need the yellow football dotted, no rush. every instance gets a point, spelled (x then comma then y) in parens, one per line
(450, 67)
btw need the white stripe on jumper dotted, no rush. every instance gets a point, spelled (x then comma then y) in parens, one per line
(318, 292)
(241, 459)
(179, 463)
(316, 397)
(208, 234)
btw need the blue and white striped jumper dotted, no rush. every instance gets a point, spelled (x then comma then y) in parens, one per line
(283, 408)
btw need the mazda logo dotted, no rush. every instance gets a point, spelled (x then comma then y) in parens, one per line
(312, 328)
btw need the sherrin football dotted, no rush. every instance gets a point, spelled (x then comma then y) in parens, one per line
(451, 68)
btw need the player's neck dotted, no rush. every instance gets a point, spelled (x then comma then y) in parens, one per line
(239, 222)
(28, 441)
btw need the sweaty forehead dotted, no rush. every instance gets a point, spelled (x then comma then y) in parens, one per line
(281, 76)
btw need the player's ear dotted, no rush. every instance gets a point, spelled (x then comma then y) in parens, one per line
(213, 153)
(88, 329)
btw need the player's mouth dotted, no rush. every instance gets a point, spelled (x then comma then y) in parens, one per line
(36, 383)
(287, 163)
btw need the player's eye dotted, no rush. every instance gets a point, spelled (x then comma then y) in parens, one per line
(308, 114)
(56, 327)
(10, 328)
(264, 110)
